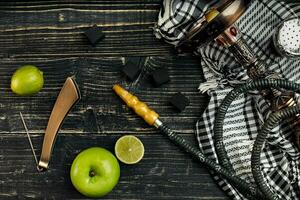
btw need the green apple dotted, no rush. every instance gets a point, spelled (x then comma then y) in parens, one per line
(95, 172)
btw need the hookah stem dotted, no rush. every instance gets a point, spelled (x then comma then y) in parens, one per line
(152, 118)
(244, 55)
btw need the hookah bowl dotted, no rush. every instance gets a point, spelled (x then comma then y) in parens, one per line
(218, 25)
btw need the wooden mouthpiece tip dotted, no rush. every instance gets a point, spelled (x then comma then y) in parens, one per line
(117, 88)
(121, 92)
(138, 106)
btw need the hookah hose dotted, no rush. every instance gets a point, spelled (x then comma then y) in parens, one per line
(270, 123)
(249, 191)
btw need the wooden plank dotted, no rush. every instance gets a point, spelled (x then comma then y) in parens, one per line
(54, 29)
(164, 173)
(100, 110)
(49, 34)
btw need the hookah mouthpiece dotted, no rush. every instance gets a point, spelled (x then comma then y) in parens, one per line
(138, 106)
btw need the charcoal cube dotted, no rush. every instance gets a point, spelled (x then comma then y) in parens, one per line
(131, 70)
(94, 35)
(179, 101)
(160, 76)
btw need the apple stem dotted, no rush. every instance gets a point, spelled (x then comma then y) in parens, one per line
(92, 173)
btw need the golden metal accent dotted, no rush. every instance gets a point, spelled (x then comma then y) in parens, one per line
(283, 101)
(67, 97)
(211, 14)
(139, 107)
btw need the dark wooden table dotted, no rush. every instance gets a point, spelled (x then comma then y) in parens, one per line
(48, 34)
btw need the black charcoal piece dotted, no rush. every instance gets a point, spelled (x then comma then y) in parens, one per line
(94, 35)
(160, 76)
(131, 70)
(179, 101)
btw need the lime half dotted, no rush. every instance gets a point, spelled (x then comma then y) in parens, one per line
(27, 80)
(129, 149)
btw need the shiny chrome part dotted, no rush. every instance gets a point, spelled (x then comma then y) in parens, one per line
(204, 32)
(157, 123)
(236, 8)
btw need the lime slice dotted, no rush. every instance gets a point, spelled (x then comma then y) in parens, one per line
(27, 80)
(129, 149)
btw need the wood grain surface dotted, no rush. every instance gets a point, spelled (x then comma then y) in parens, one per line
(34, 29)
(48, 34)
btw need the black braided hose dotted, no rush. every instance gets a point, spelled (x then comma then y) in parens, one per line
(271, 122)
(219, 121)
(245, 188)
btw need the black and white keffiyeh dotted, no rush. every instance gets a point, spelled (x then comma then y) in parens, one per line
(280, 159)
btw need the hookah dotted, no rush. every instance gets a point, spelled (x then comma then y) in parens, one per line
(219, 25)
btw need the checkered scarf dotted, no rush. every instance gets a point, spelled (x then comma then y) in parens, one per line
(280, 159)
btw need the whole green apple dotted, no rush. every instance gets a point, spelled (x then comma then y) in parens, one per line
(95, 172)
